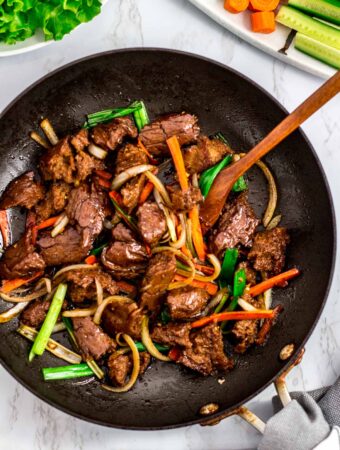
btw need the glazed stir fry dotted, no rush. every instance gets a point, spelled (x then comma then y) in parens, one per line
(113, 253)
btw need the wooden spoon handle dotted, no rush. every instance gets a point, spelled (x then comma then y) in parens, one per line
(226, 178)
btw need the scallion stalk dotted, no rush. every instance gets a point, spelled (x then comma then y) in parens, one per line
(66, 372)
(228, 265)
(109, 114)
(141, 348)
(141, 116)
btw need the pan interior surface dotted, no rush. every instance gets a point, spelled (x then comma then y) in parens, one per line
(168, 395)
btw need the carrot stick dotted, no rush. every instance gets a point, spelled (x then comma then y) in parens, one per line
(10, 285)
(103, 183)
(91, 260)
(264, 5)
(177, 157)
(145, 150)
(148, 188)
(126, 287)
(116, 197)
(4, 227)
(205, 269)
(263, 22)
(234, 315)
(274, 281)
(103, 174)
(211, 288)
(197, 235)
(47, 223)
(236, 6)
(186, 251)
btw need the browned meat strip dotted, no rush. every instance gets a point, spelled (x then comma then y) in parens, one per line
(159, 275)
(86, 207)
(184, 126)
(236, 226)
(35, 313)
(250, 272)
(110, 135)
(57, 163)
(93, 342)
(82, 284)
(206, 354)
(185, 201)
(131, 192)
(55, 201)
(268, 250)
(23, 191)
(206, 153)
(66, 248)
(123, 317)
(120, 366)
(151, 222)
(172, 334)
(80, 140)
(86, 164)
(129, 156)
(186, 302)
(21, 259)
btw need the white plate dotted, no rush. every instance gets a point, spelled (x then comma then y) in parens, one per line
(270, 43)
(33, 43)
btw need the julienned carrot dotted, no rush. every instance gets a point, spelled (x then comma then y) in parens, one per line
(236, 6)
(10, 285)
(264, 5)
(148, 188)
(116, 197)
(204, 269)
(263, 22)
(197, 235)
(148, 154)
(4, 227)
(274, 281)
(104, 174)
(103, 183)
(47, 223)
(126, 287)
(91, 260)
(177, 157)
(186, 251)
(211, 288)
(234, 315)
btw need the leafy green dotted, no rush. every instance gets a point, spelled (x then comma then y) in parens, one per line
(20, 19)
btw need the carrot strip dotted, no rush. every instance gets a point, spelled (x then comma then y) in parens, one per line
(267, 325)
(234, 315)
(146, 151)
(116, 197)
(204, 269)
(103, 183)
(236, 6)
(274, 281)
(4, 227)
(211, 288)
(264, 5)
(91, 260)
(126, 287)
(177, 157)
(174, 354)
(186, 251)
(47, 223)
(10, 285)
(148, 188)
(263, 22)
(197, 235)
(103, 174)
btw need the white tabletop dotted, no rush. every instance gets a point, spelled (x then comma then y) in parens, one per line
(30, 424)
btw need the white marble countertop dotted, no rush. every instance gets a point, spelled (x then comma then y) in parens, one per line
(30, 424)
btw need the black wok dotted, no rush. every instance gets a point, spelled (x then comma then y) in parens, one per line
(170, 396)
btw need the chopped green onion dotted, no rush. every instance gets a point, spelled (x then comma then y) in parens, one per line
(240, 185)
(126, 217)
(238, 289)
(220, 306)
(221, 137)
(208, 176)
(141, 117)
(97, 251)
(66, 372)
(228, 265)
(45, 332)
(165, 316)
(141, 348)
(109, 114)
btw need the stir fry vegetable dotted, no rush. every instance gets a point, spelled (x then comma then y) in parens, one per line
(228, 265)
(234, 315)
(66, 372)
(274, 281)
(238, 289)
(109, 114)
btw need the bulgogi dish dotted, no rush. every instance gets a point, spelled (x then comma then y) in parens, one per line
(113, 252)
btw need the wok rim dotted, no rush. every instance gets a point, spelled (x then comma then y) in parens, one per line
(222, 414)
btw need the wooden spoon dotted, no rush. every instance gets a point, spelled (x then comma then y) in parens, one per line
(225, 180)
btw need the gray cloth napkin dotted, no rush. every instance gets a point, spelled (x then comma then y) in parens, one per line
(305, 422)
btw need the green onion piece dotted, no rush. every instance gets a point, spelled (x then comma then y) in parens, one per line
(221, 137)
(109, 114)
(165, 316)
(239, 286)
(141, 117)
(66, 372)
(228, 265)
(208, 176)
(126, 217)
(141, 348)
(97, 251)
(45, 332)
(240, 185)
(220, 306)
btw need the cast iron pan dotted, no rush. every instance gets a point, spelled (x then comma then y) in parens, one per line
(224, 100)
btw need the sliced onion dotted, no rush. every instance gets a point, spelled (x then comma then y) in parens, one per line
(169, 222)
(272, 202)
(267, 297)
(80, 312)
(147, 341)
(97, 152)
(13, 312)
(100, 292)
(58, 327)
(60, 225)
(47, 128)
(245, 305)
(179, 254)
(206, 278)
(112, 299)
(274, 222)
(123, 177)
(39, 140)
(52, 346)
(215, 301)
(182, 238)
(47, 283)
(190, 245)
(23, 299)
(95, 368)
(159, 186)
(135, 370)
(75, 267)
